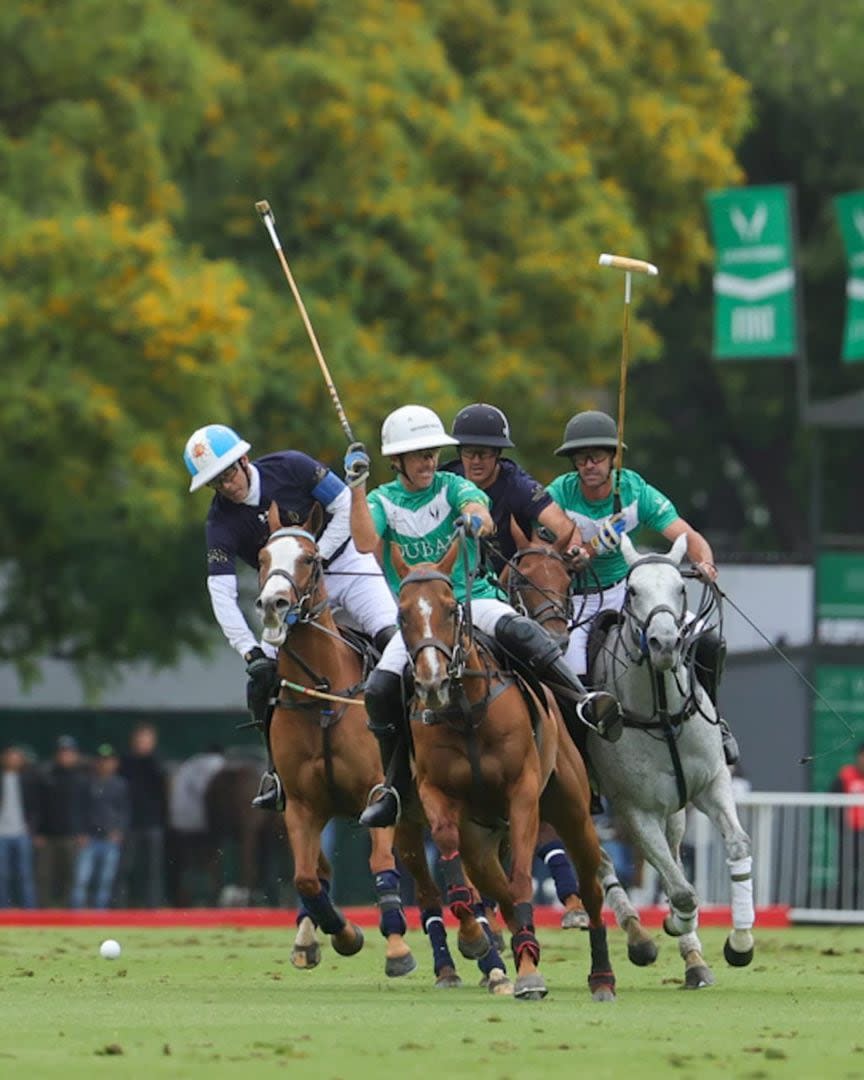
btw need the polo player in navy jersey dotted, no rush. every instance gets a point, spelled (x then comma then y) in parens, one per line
(237, 528)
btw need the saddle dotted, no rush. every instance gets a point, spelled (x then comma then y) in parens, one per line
(603, 623)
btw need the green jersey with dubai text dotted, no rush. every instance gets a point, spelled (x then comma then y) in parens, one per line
(422, 524)
(641, 504)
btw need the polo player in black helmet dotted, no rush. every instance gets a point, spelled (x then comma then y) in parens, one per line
(586, 496)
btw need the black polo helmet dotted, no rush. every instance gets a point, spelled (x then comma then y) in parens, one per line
(481, 425)
(587, 429)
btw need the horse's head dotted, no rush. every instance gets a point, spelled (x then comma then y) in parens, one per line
(431, 623)
(655, 605)
(289, 576)
(538, 584)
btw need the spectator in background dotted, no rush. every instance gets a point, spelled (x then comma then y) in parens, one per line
(144, 857)
(19, 806)
(192, 853)
(850, 855)
(107, 812)
(61, 829)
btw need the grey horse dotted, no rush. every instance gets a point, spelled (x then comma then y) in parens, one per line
(670, 753)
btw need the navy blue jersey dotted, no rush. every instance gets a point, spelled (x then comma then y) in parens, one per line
(514, 492)
(291, 479)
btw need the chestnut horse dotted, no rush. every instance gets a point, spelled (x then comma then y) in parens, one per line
(328, 760)
(489, 753)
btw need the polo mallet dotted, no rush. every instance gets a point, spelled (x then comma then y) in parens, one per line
(263, 208)
(629, 266)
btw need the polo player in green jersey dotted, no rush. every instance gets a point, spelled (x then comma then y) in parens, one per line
(419, 510)
(586, 496)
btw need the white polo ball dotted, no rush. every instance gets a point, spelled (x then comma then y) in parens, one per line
(110, 949)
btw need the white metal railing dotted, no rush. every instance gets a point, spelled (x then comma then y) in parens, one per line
(807, 854)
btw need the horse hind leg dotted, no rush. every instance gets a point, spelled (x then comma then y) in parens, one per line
(641, 947)
(399, 960)
(474, 942)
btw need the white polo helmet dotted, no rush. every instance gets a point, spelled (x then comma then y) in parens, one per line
(210, 450)
(413, 427)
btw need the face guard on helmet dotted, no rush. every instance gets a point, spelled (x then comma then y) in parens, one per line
(482, 425)
(588, 429)
(413, 427)
(210, 450)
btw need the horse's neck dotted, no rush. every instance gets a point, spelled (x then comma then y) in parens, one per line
(318, 644)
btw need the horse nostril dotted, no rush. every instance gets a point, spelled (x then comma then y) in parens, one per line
(653, 642)
(259, 604)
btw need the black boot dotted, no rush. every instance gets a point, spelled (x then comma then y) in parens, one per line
(529, 643)
(709, 662)
(261, 691)
(384, 704)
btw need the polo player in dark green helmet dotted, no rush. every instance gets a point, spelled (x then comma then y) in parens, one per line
(602, 515)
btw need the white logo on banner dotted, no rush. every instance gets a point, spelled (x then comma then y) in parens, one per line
(749, 230)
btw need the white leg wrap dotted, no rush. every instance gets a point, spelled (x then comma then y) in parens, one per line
(741, 875)
(679, 923)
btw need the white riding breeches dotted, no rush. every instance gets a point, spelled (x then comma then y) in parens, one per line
(587, 606)
(359, 593)
(485, 615)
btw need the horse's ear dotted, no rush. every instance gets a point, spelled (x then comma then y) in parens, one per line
(676, 552)
(628, 551)
(274, 522)
(399, 565)
(519, 538)
(449, 561)
(315, 521)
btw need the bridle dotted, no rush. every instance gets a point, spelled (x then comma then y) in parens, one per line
(455, 655)
(302, 610)
(552, 608)
(639, 627)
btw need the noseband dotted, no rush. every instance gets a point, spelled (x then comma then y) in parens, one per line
(302, 609)
(454, 655)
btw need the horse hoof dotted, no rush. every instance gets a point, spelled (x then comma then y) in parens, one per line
(306, 957)
(497, 982)
(530, 987)
(448, 981)
(574, 920)
(736, 959)
(395, 966)
(352, 945)
(643, 954)
(474, 950)
(602, 985)
(698, 977)
(603, 993)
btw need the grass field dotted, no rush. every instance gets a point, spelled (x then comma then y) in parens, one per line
(227, 1002)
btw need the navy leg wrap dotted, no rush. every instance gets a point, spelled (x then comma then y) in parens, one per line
(432, 921)
(561, 869)
(492, 959)
(524, 940)
(323, 913)
(599, 949)
(303, 911)
(390, 903)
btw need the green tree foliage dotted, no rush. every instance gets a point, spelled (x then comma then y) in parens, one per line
(730, 437)
(444, 176)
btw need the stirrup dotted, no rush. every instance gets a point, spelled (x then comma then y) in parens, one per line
(384, 789)
(608, 728)
(271, 796)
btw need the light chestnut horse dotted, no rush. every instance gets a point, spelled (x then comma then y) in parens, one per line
(489, 754)
(328, 760)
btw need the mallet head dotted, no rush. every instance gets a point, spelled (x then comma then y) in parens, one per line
(624, 262)
(263, 208)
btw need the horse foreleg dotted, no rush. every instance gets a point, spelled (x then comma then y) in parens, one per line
(304, 835)
(718, 802)
(641, 947)
(552, 851)
(566, 801)
(412, 852)
(392, 922)
(524, 815)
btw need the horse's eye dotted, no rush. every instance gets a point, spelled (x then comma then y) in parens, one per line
(631, 591)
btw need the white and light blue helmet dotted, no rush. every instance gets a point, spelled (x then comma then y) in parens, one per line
(210, 450)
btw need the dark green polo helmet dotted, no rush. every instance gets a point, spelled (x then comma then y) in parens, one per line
(586, 429)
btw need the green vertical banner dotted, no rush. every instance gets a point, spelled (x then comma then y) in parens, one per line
(850, 212)
(755, 300)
